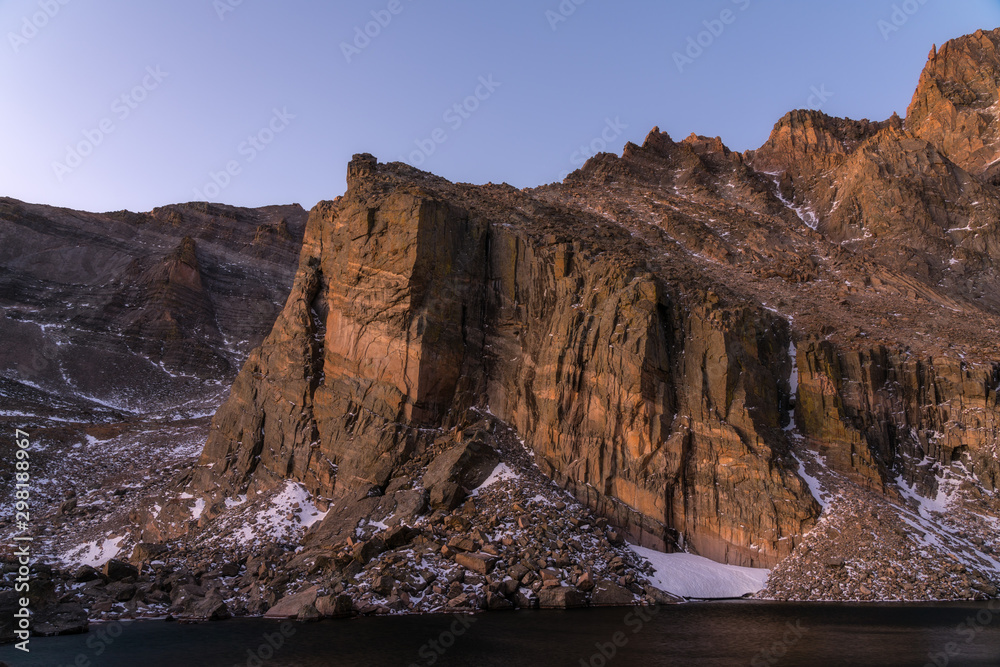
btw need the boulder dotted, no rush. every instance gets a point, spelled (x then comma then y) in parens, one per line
(661, 597)
(497, 602)
(364, 552)
(445, 495)
(87, 573)
(209, 608)
(478, 562)
(309, 613)
(525, 598)
(383, 585)
(335, 606)
(116, 570)
(610, 594)
(145, 552)
(398, 536)
(464, 466)
(410, 505)
(563, 597)
(120, 591)
(291, 606)
(62, 619)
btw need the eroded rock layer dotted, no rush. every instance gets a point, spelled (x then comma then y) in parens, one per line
(672, 332)
(417, 299)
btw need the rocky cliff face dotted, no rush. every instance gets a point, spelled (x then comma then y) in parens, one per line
(164, 306)
(417, 299)
(670, 331)
(955, 105)
(122, 333)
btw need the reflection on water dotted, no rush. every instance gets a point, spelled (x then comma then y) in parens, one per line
(741, 633)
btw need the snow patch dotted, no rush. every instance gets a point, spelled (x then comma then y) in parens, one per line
(927, 506)
(198, 509)
(692, 576)
(793, 379)
(235, 502)
(815, 486)
(94, 554)
(806, 214)
(273, 521)
(501, 473)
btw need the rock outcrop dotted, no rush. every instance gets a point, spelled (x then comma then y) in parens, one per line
(632, 325)
(417, 299)
(956, 103)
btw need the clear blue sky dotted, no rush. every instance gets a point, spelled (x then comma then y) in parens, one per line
(201, 77)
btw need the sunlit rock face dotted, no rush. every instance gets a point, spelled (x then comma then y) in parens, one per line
(671, 331)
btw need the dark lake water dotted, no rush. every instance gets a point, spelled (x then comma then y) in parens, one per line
(739, 633)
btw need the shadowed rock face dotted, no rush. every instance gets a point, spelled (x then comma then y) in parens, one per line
(137, 312)
(667, 330)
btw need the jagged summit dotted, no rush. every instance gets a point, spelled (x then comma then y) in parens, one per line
(957, 102)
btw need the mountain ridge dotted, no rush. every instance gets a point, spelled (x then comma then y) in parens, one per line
(738, 355)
